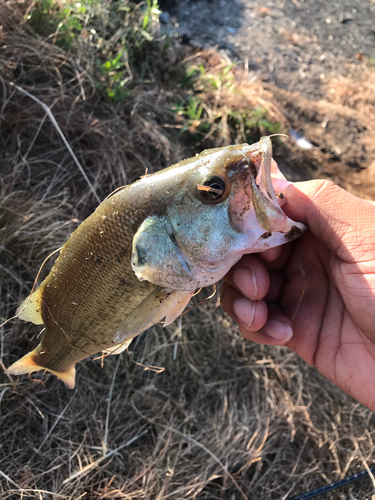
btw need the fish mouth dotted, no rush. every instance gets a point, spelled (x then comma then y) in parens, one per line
(262, 173)
(266, 206)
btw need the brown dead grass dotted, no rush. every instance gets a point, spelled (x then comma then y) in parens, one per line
(226, 419)
(358, 93)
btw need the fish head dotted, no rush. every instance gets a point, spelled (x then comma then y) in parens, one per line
(227, 206)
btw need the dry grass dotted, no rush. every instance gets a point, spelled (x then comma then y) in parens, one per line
(226, 419)
(358, 93)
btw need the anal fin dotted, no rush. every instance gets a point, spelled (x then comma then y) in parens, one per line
(27, 364)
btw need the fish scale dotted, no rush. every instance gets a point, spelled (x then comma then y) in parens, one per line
(139, 257)
(100, 306)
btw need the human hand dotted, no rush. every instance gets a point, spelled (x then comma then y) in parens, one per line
(332, 267)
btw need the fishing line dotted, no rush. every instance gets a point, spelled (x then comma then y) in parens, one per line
(156, 369)
(36, 380)
(68, 338)
(333, 486)
(118, 189)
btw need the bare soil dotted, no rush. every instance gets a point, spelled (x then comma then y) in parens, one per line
(295, 44)
(317, 58)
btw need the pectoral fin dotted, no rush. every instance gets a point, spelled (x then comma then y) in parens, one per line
(178, 309)
(150, 311)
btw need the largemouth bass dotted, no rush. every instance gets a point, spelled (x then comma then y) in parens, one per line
(144, 251)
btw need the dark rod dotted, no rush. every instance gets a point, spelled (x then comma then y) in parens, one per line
(332, 486)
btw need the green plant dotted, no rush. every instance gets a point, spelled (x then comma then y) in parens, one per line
(152, 13)
(62, 21)
(211, 109)
(194, 121)
(116, 77)
(114, 35)
(253, 123)
(197, 77)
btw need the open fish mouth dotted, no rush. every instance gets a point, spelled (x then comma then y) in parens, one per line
(260, 204)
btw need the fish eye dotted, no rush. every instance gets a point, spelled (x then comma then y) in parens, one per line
(213, 189)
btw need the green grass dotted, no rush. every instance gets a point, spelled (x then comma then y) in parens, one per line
(206, 113)
(114, 34)
(118, 35)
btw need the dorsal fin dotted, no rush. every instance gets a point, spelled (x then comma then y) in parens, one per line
(30, 309)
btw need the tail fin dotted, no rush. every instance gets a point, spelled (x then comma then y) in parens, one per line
(27, 364)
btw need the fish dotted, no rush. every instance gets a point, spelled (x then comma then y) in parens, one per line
(141, 255)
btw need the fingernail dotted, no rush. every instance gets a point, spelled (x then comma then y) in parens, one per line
(278, 330)
(245, 281)
(244, 309)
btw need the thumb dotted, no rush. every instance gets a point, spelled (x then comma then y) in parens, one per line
(342, 221)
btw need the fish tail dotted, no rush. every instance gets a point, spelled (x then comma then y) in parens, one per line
(28, 364)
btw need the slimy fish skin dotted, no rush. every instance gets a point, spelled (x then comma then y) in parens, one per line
(144, 251)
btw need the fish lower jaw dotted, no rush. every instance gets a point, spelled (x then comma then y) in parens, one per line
(261, 240)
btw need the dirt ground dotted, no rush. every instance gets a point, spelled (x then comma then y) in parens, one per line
(296, 44)
(317, 58)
